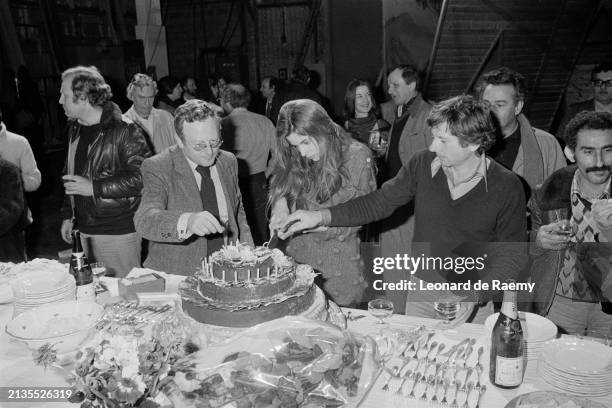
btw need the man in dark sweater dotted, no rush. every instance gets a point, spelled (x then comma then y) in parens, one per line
(466, 206)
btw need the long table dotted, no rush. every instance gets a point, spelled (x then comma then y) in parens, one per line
(17, 367)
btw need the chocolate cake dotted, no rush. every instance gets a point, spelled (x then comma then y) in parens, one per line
(240, 286)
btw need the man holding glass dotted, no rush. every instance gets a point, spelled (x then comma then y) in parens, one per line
(571, 265)
(102, 181)
(191, 204)
(466, 205)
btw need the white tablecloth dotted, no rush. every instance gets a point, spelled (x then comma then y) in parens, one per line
(18, 369)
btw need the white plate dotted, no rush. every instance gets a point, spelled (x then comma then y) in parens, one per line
(33, 282)
(549, 399)
(574, 387)
(65, 325)
(579, 356)
(535, 327)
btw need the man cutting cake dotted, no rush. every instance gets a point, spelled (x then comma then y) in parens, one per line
(191, 203)
(466, 206)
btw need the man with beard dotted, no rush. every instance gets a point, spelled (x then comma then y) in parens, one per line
(565, 290)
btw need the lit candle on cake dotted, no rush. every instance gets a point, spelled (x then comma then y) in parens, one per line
(223, 275)
(257, 273)
(225, 231)
(236, 276)
(249, 275)
(268, 273)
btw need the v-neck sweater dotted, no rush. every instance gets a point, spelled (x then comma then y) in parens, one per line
(491, 212)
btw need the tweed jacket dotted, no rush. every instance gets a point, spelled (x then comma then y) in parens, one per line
(170, 189)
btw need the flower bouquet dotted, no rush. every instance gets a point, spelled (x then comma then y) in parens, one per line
(124, 368)
(289, 362)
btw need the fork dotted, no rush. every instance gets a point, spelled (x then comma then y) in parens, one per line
(417, 379)
(392, 374)
(436, 352)
(480, 351)
(406, 377)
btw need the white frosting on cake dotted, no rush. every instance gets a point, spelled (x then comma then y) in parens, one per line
(240, 254)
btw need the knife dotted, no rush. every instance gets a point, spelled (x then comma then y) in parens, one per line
(276, 241)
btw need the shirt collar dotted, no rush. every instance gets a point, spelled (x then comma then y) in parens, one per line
(480, 172)
(133, 113)
(410, 107)
(193, 165)
(575, 191)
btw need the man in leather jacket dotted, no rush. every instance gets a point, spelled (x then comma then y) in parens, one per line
(103, 181)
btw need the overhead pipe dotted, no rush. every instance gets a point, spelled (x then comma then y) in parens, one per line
(485, 60)
(434, 47)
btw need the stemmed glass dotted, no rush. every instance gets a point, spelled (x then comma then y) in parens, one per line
(380, 309)
(98, 269)
(446, 310)
(563, 218)
(377, 143)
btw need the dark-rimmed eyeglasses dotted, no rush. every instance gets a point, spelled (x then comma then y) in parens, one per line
(214, 144)
(599, 83)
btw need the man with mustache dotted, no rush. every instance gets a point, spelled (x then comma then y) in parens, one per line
(566, 290)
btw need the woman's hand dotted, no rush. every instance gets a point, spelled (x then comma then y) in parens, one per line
(279, 214)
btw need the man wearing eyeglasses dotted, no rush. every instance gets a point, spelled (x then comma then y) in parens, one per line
(601, 81)
(191, 204)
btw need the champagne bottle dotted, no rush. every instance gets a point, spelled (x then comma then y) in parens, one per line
(507, 352)
(81, 270)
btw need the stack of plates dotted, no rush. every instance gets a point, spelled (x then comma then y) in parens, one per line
(537, 330)
(577, 366)
(36, 288)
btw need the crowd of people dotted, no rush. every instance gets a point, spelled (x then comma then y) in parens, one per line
(185, 170)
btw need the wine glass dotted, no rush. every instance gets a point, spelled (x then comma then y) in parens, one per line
(378, 145)
(98, 269)
(446, 310)
(563, 218)
(380, 309)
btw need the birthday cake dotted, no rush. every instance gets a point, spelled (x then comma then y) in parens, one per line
(241, 286)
